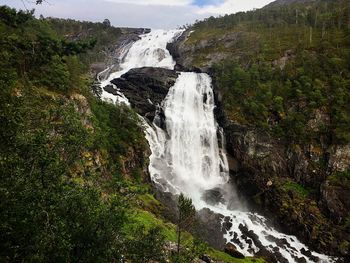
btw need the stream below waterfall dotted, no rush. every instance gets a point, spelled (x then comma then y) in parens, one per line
(186, 156)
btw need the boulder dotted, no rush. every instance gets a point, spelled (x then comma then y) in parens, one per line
(206, 258)
(232, 251)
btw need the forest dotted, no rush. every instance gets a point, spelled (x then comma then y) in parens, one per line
(314, 39)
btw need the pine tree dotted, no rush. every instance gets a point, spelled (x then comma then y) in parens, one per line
(186, 216)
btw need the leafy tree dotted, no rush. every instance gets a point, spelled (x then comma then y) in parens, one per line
(146, 245)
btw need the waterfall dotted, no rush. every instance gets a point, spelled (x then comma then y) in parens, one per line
(186, 156)
(149, 51)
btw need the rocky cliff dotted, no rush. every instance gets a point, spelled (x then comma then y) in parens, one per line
(145, 88)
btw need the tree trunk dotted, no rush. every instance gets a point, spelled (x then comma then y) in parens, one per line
(310, 35)
(178, 240)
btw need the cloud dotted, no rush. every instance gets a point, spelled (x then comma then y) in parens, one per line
(139, 13)
(233, 6)
(155, 2)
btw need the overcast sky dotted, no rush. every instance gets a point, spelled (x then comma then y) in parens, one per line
(138, 13)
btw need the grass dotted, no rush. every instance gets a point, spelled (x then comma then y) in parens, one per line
(148, 220)
(222, 256)
(147, 215)
(297, 188)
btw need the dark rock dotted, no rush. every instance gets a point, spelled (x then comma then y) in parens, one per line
(206, 258)
(336, 199)
(208, 223)
(300, 260)
(232, 251)
(111, 89)
(271, 257)
(169, 202)
(281, 242)
(214, 196)
(309, 255)
(209, 228)
(227, 224)
(146, 88)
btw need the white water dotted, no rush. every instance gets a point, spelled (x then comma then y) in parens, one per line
(186, 156)
(149, 51)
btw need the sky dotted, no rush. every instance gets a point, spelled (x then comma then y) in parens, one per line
(138, 13)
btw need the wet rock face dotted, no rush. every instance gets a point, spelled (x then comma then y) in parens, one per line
(128, 36)
(209, 228)
(184, 53)
(145, 88)
(214, 196)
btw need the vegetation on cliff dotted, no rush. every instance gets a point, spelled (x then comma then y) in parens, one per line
(62, 151)
(288, 62)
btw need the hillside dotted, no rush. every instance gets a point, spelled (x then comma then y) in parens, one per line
(281, 75)
(74, 178)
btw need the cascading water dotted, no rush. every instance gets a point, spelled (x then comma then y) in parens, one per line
(186, 156)
(149, 51)
(192, 151)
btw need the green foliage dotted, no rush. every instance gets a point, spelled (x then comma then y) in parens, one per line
(46, 215)
(13, 18)
(340, 178)
(148, 221)
(55, 75)
(287, 100)
(297, 188)
(146, 245)
(31, 50)
(194, 249)
(59, 161)
(219, 255)
(186, 217)
(119, 128)
(261, 90)
(104, 36)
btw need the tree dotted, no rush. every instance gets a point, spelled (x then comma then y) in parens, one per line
(146, 245)
(186, 216)
(106, 23)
